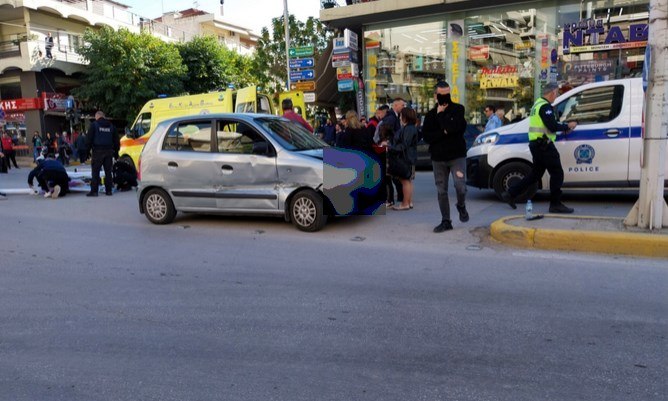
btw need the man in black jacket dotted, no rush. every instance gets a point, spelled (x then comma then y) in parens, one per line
(104, 143)
(443, 130)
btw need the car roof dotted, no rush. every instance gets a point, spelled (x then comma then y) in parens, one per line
(236, 116)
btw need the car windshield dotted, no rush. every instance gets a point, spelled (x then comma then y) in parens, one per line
(290, 135)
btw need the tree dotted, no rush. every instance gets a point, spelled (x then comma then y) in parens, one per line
(126, 69)
(269, 62)
(210, 66)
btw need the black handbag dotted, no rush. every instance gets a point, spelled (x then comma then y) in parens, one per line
(400, 167)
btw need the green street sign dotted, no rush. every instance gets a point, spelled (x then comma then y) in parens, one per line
(303, 51)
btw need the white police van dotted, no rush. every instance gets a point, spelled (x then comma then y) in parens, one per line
(602, 152)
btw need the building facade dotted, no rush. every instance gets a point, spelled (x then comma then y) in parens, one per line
(491, 52)
(234, 37)
(35, 84)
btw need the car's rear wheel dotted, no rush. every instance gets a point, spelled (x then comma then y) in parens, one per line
(511, 174)
(307, 211)
(158, 207)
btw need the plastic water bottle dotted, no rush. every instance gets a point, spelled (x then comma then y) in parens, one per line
(528, 211)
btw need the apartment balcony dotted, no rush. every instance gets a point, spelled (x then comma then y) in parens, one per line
(31, 56)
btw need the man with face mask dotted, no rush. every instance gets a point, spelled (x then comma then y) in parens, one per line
(443, 129)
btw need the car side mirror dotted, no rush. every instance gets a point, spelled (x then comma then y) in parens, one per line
(260, 148)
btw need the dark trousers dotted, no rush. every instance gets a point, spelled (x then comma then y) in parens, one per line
(545, 157)
(50, 178)
(102, 158)
(442, 172)
(11, 158)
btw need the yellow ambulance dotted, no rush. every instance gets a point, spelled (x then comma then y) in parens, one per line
(246, 100)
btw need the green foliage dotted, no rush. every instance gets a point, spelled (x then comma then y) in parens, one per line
(127, 69)
(213, 66)
(269, 64)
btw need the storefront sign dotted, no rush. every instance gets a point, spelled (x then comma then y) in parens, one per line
(18, 117)
(457, 61)
(32, 103)
(499, 70)
(347, 72)
(477, 53)
(345, 85)
(54, 101)
(586, 35)
(360, 97)
(346, 42)
(589, 67)
(544, 52)
(498, 81)
(523, 46)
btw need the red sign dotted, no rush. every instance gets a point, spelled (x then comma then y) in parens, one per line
(32, 103)
(500, 70)
(478, 53)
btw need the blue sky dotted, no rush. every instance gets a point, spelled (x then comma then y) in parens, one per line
(253, 14)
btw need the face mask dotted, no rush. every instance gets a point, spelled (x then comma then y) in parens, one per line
(444, 99)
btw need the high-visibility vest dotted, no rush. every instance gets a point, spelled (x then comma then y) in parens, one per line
(537, 128)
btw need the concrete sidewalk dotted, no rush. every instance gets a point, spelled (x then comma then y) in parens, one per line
(580, 233)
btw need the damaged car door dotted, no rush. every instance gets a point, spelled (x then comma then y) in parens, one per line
(246, 168)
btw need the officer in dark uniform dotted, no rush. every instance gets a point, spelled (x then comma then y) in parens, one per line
(543, 129)
(104, 143)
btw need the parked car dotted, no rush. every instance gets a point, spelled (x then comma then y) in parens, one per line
(235, 164)
(423, 156)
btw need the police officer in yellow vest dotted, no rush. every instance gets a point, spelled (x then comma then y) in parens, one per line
(543, 129)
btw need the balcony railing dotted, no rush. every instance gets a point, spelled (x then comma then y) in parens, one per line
(123, 16)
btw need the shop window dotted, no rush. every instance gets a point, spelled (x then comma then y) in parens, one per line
(592, 106)
(404, 62)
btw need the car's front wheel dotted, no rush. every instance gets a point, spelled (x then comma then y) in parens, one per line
(158, 207)
(511, 174)
(307, 211)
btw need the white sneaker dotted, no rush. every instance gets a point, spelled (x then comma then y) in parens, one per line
(47, 194)
(56, 192)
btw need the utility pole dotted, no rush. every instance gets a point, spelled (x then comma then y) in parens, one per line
(287, 42)
(650, 211)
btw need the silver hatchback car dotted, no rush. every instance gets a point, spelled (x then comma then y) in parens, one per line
(235, 164)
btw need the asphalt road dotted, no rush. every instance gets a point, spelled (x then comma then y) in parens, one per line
(96, 303)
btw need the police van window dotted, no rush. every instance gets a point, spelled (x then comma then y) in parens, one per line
(189, 136)
(236, 137)
(592, 106)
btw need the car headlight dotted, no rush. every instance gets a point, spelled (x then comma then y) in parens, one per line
(486, 138)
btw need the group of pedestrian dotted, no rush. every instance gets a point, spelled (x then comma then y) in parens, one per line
(50, 171)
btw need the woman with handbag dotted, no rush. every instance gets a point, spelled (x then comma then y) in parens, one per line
(403, 156)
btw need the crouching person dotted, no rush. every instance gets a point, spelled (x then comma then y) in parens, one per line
(51, 177)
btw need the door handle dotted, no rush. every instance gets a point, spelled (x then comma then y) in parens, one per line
(612, 133)
(172, 164)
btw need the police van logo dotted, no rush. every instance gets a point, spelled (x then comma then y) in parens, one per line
(584, 154)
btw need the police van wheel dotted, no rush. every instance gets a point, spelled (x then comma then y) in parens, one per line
(307, 211)
(158, 207)
(511, 174)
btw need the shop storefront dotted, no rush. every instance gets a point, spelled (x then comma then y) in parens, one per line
(503, 56)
